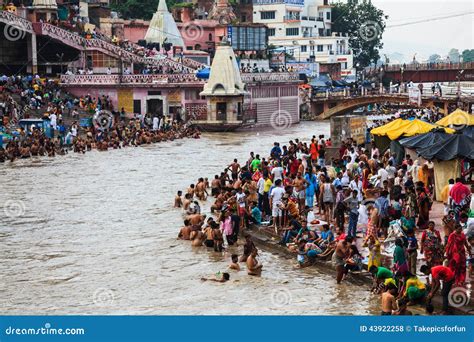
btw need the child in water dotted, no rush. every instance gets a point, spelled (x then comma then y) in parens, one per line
(219, 277)
(234, 265)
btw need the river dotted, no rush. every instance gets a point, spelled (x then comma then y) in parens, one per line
(96, 234)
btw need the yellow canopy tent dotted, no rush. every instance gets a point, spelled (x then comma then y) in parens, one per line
(392, 125)
(457, 118)
(407, 128)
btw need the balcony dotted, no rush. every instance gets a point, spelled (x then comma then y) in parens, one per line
(272, 2)
(129, 79)
(270, 77)
(291, 18)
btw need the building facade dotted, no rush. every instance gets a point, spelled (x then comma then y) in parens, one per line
(303, 29)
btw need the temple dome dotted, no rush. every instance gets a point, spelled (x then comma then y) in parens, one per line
(224, 79)
(45, 4)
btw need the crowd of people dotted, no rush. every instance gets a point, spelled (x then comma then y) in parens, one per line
(22, 96)
(362, 203)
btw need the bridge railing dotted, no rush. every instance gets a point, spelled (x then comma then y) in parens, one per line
(15, 22)
(426, 66)
(129, 79)
(269, 77)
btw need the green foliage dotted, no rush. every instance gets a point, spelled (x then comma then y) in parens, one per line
(468, 55)
(183, 5)
(434, 58)
(138, 9)
(364, 24)
(454, 55)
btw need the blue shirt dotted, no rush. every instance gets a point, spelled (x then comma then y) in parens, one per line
(257, 215)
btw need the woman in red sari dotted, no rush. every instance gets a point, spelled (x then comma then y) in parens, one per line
(456, 254)
(424, 204)
(431, 246)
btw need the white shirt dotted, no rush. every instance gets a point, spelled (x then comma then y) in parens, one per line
(240, 199)
(358, 187)
(276, 195)
(155, 123)
(261, 185)
(277, 173)
(383, 174)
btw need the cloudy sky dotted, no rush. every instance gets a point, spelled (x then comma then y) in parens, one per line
(435, 36)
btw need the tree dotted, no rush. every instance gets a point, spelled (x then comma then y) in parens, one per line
(364, 24)
(454, 55)
(138, 9)
(468, 55)
(434, 58)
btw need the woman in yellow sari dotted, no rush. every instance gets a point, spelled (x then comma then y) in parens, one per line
(374, 251)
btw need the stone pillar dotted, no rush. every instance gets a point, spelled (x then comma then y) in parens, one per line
(32, 55)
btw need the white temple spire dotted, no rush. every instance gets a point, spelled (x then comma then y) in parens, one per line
(163, 27)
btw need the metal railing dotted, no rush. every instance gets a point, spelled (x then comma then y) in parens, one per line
(15, 22)
(269, 77)
(428, 66)
(129, 79)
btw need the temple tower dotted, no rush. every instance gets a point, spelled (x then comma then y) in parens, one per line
(163, 28)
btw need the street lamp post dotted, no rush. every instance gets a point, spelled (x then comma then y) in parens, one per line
(401, 79)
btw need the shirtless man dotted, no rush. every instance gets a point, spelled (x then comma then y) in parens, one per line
(200, 190)
(196, 221)
(218, 203)
(191, 190)
(249, 246)
(215, 186)
(218, 239)
(253, 266)
(235, 169)
(187, 202)
(178, 202)
(197, 238)
(339, 256)
(185, 232)
(300, 187)
(389, 302)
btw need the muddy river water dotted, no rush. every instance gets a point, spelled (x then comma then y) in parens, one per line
(96, 234)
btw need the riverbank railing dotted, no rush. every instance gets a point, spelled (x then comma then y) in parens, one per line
(168, 78)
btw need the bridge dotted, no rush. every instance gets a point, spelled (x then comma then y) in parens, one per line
(424, 72)
(343, 104)
(80, 43)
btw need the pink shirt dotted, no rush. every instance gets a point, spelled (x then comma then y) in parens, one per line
(226, 226)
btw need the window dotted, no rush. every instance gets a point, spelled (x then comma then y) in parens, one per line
(321, 32)
(101, 60)
(271, 32)
(210, 37)
(189, 47)
(320, 48)
(328, 15)
(243, 18)
(311, 48)
(330, 47)
(292, 31)
(267, 15)
(303, 48)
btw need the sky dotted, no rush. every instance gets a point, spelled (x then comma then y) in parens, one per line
(424, 39)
